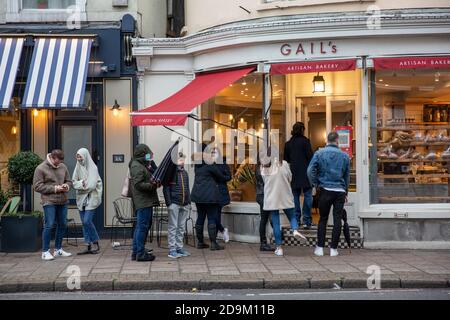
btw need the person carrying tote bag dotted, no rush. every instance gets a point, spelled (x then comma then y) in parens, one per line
(89, 188)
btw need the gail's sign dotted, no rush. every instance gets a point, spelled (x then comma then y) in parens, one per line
(309, 48)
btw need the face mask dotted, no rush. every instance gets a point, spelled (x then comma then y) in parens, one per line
(148, 157)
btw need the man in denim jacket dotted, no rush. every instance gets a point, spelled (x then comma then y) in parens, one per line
(329, 170)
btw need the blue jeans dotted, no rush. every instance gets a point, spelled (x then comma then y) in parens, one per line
(307, 204)
(89, 232)
(276, 223)
(143, 223)
(54, 214)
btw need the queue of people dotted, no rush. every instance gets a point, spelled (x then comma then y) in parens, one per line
(279, 184)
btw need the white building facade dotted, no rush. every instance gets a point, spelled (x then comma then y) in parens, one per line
(393, 98)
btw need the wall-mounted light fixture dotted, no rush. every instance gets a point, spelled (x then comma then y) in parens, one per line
(35, 112)
(115, 108)
(14, 130)
(318, 83)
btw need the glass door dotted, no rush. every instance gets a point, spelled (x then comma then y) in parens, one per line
(71, 136)
(323, 114)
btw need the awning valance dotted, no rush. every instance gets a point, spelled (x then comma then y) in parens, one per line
(411, 63)
(313, 66)
(10, 53)
(58, 71)
(174, 110)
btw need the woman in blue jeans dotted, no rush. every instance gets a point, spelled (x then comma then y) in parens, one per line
(89, 188)
(278, 196)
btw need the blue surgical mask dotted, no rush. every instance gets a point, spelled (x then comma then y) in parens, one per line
(148, 157)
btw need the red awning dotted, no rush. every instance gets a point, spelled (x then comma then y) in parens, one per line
(411, 63)
(313, 66)
(174, 110)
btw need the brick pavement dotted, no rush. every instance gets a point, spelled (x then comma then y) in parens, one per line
(240, 265)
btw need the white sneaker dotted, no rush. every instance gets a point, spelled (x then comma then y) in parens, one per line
(279, 251)
(318, 251)
(47, 256)
(61, 253)
(334, 253)
(297, 234)
(226, 235)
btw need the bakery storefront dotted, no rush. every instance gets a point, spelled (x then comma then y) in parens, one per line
(388, 97)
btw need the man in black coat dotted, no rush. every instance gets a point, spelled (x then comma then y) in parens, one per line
(298, 153)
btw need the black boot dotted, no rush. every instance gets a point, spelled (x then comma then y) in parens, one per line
(97, 247)
(200, 242)
(88, 250)
(265, 246)
(212, 231)
(145, 257)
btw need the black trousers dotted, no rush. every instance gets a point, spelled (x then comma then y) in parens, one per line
(265, 215)
(326, 200)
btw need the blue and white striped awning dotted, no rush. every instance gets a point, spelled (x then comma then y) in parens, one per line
(58, 71)
(10, 52)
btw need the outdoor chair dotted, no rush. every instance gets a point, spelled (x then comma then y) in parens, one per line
(160, 217)
(73, 230)
(186, 236)
(123, 208)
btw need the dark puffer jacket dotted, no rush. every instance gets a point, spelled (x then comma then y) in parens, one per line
(206, 183)
(224, 194)
(177, 192)
(143, 192)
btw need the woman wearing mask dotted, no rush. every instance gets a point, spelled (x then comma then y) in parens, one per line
(89, 188)
(145, 197)
(278, 196)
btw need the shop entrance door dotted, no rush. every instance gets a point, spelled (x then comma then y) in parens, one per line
(322, 114)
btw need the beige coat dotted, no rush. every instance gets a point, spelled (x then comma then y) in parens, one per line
(46, 178)
(277, 187)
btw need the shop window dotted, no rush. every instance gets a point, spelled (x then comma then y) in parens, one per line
(47, 4)
(410, 136)
(240, 106)
(9, 144)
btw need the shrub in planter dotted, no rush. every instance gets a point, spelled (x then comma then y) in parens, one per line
(21, 232)
(21, 168)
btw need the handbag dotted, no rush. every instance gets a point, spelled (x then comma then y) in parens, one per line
(126, 188)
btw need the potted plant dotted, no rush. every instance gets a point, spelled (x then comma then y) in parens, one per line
(233, 187)
(245, 173)
(21, 231)
(21, 168)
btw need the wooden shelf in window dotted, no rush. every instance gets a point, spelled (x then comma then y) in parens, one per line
(412, 176)
(412, 127)
(419, 143)
(415, 184)
(410, 160)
